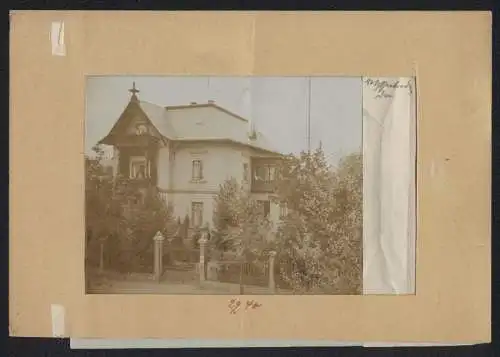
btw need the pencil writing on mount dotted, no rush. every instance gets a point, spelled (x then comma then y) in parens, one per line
(252, 304)
(235, 304)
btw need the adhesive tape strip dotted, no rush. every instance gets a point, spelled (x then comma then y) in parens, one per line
(58, 320)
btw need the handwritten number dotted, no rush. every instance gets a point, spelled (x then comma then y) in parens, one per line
(252, 304)
(235, 304)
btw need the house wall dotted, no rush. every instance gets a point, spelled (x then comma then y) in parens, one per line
(220, 162)
(181, 203)
(165, 167)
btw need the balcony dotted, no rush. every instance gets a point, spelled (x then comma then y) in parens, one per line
(261, 186)
(264, 175)
(141, 182)
(139, 168)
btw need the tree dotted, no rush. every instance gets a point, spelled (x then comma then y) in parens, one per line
(240, 226)
(224, 217)
(146, 216)
(102, 211)
(185, 227)
(122, 218)
(320, 238)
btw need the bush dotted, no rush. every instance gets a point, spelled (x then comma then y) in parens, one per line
(125, 224)
(321, 237)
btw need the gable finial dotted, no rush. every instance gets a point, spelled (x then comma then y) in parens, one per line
(134, 90)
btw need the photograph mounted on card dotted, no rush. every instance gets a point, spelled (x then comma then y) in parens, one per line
(249, 185)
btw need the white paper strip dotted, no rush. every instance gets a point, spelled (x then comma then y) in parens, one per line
(389, 185)
(77, 343)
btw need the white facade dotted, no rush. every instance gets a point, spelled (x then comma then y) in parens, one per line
(219, 162)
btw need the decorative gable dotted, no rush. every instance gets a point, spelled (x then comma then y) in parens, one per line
(132, 124)
(140, 125)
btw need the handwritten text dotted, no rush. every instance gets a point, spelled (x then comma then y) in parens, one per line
(385, 89)
(235, 305)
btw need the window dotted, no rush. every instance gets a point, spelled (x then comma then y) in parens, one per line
(245, 172)
(197, 171)
(141, 129)
(139, 167)
(260, 173)
(283, 210)
(265, 207)
(272, 173)
(266, 173)
(197, 214)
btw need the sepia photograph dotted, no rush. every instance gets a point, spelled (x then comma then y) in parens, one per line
(224, 185)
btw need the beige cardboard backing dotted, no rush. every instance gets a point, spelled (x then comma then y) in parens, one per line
(448, 52)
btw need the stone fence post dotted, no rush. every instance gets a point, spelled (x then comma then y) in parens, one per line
(272, 284)
(203, 244)
(158, 255)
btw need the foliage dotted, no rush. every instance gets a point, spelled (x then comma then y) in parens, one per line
(223, 218)
(321, 236)
(240, 226)
(126, 220)
(319, 240)
(185, 226)
(239, 223)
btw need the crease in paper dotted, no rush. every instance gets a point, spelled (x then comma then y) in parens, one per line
(389, 185)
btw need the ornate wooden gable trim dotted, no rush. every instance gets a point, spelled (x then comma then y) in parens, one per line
(133, 127)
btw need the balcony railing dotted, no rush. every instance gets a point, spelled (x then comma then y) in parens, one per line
(141, 182)
(263, 186)
(163, 196)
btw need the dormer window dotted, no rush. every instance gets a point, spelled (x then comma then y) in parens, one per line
(141, 129)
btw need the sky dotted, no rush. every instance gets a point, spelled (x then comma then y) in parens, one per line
(279, 107)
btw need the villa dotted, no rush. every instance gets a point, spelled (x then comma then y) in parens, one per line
(188, 151)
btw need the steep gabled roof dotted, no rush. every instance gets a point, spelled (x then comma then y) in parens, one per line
(206, 105)
(158, 117)
(166, 125)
